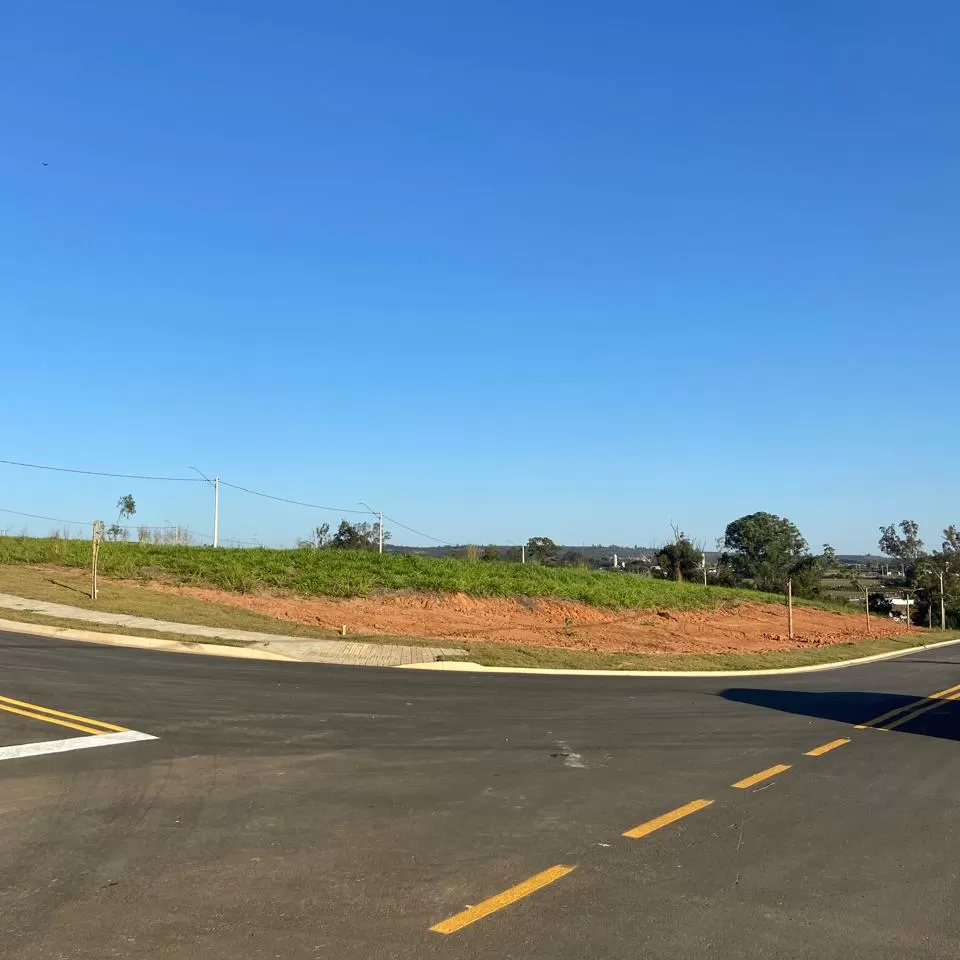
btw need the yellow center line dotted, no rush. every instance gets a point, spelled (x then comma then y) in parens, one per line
(826, 747)
(59, 713)
(460, 920)
(61, 723)
(666, 819)
(939, 695)
(916, 713)
(762, 775)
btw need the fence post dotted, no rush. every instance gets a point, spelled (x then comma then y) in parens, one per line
(95, 541)
(790, 608)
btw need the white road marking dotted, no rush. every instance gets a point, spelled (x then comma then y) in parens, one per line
(72, 743)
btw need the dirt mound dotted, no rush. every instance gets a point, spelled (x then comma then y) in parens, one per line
(554, 623)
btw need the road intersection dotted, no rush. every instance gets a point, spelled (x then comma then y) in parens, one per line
(265, 809)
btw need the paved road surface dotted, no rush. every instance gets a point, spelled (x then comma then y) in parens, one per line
(300, 811)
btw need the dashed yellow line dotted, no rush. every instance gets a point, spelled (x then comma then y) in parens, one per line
(826, 747)
(762, 775)
(460, 920)
(47, 714)
(666, 819)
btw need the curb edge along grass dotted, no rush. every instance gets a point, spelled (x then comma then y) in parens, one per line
(466, 666)
(146, 643)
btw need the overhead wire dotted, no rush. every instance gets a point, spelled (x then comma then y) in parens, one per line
(37, 516)
(296, 503)
(419, 533)
(225, 483)
(101, 473)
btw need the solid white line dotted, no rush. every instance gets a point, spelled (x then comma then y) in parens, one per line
(73, 743)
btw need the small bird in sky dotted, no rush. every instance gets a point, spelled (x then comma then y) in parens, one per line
(42, 164)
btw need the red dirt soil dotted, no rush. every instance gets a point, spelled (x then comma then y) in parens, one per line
(749, 627)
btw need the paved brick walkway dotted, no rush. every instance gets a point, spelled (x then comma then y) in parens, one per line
(300, 648)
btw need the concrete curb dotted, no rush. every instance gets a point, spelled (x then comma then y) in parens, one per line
(466, 666)
(146, 643)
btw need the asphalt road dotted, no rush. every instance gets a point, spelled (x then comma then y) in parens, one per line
(301, 811)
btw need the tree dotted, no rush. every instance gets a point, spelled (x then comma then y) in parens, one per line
(490, 552)
(357, 536)
(765, 551)
(828, 559)
(908, 548)
(542, 550)
(951, 540)
(682, 559)
(126, 507)
(573, 558)
(317, 540)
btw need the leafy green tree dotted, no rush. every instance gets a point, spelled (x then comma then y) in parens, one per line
(126, 507)
(764, 550)
(573, 558)
(490, 552)
(542, 550)
(682, 559)
(906, 546)
(357, 536)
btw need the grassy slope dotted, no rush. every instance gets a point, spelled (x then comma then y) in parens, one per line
(69, 586)
(343, 574)
(497, 655)
(72, 588)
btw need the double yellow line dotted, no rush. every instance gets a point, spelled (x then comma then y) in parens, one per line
(35, 712)
(901, 715)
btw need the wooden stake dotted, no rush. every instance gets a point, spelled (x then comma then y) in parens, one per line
(790, 609)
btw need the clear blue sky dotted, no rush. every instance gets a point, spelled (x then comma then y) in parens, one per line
(505, 269)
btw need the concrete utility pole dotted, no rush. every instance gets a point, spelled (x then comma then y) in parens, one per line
(215, 483)
(704, 558)
(216, 511)
(523, 553)
(379, 515)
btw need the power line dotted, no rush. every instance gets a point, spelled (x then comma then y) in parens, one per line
(296, 503)
(100, 473)
(419, 533)
(37, 516)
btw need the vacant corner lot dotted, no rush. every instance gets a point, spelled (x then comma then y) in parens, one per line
(499, 613)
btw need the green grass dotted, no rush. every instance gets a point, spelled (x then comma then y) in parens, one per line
(72, 587)
(498, 655)
(338, 573)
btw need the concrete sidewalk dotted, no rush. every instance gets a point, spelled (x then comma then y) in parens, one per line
(297, 648)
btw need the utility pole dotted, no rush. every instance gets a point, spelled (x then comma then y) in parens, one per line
(379, 515)
(215, 483)
(704, 558)
(523, 553)
(866, 606)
